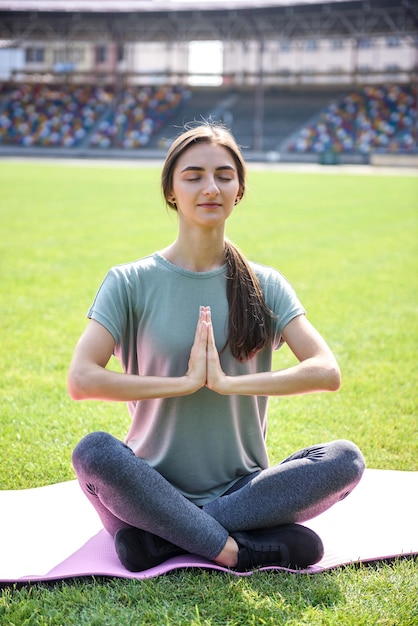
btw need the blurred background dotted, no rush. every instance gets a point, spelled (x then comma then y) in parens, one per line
(329, 81)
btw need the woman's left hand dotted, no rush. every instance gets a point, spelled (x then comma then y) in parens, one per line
(216, 379)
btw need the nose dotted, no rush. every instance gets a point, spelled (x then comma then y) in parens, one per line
(211, 188)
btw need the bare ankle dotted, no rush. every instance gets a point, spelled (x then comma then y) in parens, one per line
(229, 555)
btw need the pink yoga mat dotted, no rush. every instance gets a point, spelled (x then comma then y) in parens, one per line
(53, 532)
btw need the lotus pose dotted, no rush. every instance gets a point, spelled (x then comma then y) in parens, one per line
(194, 326)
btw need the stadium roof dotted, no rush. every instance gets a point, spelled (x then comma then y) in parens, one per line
(185, 20)
(124, 6)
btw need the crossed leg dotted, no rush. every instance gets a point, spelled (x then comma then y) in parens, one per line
(126, 491)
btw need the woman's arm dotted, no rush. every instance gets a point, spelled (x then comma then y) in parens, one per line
(88, 378)
(317, 369)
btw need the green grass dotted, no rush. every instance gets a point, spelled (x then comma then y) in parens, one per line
(348, 245)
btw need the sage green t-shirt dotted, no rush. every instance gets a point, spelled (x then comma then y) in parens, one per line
(204, 442)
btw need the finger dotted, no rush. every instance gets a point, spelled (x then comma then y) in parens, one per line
(204, 313)
(211, 336)
(201, 336)
(212, 351)
(198, 347)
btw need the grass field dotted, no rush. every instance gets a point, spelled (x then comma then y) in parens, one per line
(347, 242)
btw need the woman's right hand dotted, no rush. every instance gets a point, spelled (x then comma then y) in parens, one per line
(197, 367)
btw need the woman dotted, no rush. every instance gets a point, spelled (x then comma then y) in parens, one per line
(194, 327)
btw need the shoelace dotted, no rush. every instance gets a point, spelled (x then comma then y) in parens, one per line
(266, 556)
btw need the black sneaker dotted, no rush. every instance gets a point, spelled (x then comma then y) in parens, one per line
(139, 550)
(290, 545)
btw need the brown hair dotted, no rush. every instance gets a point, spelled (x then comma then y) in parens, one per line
(249, 316)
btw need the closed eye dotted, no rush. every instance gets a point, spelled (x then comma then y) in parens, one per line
(196, 178)
(224, 172)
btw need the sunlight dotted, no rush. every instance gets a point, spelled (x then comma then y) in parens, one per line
(205, 63)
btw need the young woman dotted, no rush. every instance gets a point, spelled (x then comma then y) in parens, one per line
(194, 327)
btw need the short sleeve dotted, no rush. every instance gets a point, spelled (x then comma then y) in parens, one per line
(110, 305)
(281, 298)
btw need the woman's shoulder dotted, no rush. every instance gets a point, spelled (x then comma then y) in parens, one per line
(267, 272)
(272, 279)
(130, 268)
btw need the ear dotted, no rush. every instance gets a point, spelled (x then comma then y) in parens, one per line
(239, 194)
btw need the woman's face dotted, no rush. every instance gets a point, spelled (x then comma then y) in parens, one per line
(205, 185)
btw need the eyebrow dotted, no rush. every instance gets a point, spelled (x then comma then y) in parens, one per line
(196, 168)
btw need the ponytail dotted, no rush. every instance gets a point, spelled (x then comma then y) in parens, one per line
(249, 323)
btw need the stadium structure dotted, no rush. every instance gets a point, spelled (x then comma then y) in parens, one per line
(295, 80)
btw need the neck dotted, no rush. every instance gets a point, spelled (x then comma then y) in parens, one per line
(197, 254)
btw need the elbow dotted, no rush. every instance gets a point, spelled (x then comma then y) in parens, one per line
(76, 385)
(333, 378)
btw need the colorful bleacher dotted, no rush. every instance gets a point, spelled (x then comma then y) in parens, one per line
(140, 113)
(70, 116)
(367, 120)
(73, 115)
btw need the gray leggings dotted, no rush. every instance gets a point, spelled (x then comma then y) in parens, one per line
(126, 491)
